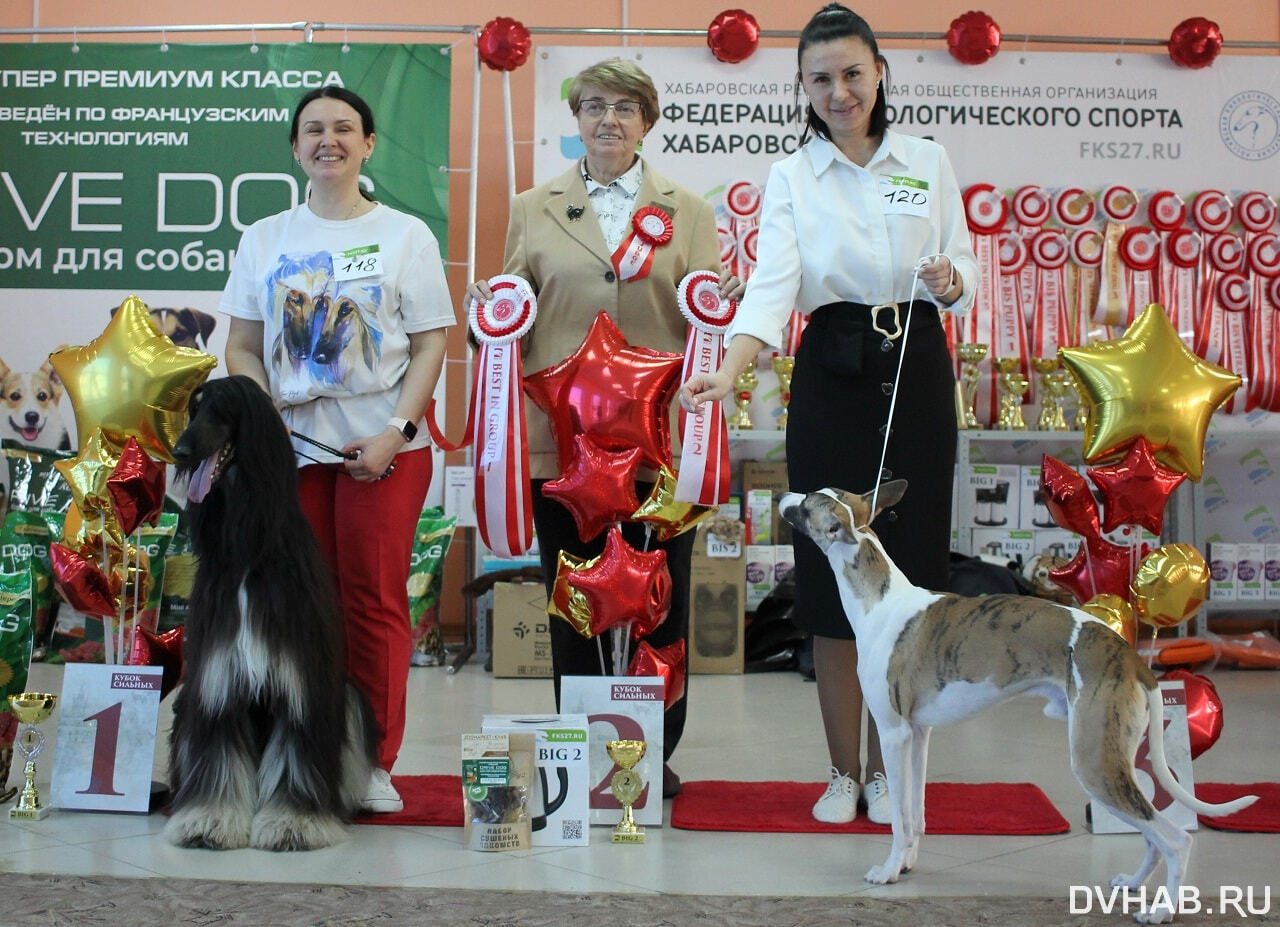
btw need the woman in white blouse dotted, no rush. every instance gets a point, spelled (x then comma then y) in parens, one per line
(845, 221)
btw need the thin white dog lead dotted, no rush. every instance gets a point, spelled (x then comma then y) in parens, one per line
(905, 329)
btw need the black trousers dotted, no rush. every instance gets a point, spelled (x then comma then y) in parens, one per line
(574, 655)
(840, 394)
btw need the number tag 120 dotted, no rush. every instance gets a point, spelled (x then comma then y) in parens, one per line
(905, 196)
(106, 744)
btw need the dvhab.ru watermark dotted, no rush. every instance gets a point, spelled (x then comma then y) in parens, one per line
(1243, 901)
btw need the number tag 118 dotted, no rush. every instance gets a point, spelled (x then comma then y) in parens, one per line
(107, 718)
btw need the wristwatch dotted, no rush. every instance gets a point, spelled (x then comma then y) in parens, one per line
(405, 427)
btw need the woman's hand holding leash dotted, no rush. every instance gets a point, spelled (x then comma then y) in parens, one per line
(375, 456)
(939, 275)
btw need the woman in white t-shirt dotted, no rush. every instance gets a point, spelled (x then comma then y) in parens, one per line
(338, 310)
(844, 222)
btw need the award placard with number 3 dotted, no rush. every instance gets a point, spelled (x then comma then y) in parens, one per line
(106, 738)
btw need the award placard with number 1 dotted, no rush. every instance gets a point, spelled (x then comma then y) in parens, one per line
(106, 738)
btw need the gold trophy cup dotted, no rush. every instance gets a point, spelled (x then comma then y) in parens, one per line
(626, 786)
(1054, 386)
(742, 388)
(1012, 384)
(30, 708)
(784, 367)
(970, 355)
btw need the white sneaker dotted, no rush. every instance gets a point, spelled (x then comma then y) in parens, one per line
(381, 797)
(876, 794)
(839, 803)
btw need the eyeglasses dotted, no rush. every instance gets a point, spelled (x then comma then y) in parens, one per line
(594, 109)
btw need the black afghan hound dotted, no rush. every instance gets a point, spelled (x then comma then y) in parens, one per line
(271, 746)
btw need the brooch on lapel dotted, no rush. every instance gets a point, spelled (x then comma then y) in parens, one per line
(574, 213)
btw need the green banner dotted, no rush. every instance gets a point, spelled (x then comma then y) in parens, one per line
(136, 167)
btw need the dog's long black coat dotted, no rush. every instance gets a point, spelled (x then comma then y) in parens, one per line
(271, 744)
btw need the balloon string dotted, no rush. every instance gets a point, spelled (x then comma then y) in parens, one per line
(626, 648)
(600, 650)
(1151, 651)
(108, 643)
(133, 629)
(1088, 565)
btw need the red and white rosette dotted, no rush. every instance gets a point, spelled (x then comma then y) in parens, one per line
(1119, 204)
(1181, 296)
(1256, 211)
(1166, 213)
(1140, 252)
(496, 420)
(1050, 320)
(1222, 253)
(1234, 297)
(1012, 318)
(986, 211)
(1212, 211)
(1031, 207)
(728, 248)
(1086, 258)
(1073, 207)
(1262, 258)
(651, 228)
(704, 435)
(742, 200)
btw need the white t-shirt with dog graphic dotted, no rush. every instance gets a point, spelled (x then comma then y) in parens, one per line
(338, 300)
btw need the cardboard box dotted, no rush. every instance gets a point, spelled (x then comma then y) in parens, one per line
(993, 491)
(770, 475)
(1271, 573)
(1222, 571)
(1033, 515)
(784, 561)
(759, 574)
(558, 806)
(521, 631)
(1017, 546)
(1249, 583)
(1057, 542)
(717, 608)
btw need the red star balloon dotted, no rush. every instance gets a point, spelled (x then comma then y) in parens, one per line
(1068, 499)
(668, 662)
(1136, 489)
(136, 488)
(1098, 566)
(669, 517)
(624, 584)
(567, 602)
(598, 487)
(616, 393)
(163, 650)
(81, 581)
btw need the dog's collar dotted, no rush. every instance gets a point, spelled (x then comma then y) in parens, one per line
(844, 505)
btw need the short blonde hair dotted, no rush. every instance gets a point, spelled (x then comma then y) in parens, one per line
(617, 75)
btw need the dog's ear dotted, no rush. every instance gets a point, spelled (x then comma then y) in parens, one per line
(4, 370)
(888, 495)
(55, 381)
(195, 320)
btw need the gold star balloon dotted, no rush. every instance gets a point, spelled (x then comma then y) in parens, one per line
(1147, 384)
(669, 517)
(132, 381)
(88, 473)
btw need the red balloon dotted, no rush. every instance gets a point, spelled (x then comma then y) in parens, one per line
(163, 650)
(733, 36)
(503, 44)
(973, 38)
(599, 486)
(667, 662)
(1098, 566)
(81, 581)
(624, 584)
(1195, 42)
(136, 488)
(615, 393)
(1204, 709)
(1136, 489)
(1068, 499)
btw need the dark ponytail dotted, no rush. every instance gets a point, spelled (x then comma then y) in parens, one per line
(836, 21)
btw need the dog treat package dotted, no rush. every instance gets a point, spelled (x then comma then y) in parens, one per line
(430, 544)
(179, 569)
(497, 783)
(17, 612)
(34, 484)
(24, 545)
(155, 541)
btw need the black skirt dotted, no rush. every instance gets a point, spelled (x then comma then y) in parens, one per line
(840, 394)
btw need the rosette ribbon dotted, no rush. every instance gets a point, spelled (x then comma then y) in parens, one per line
(1119, 205)
(704, 435)
(1221, 337)
(1263, 259)
(1166, 213)
(1181, 294)
(496, 420)
(1050, 322)
(1011, 323)
(985, 212)
(1086, 257)
(1031, 208)
(651, 228)
(1140, 252)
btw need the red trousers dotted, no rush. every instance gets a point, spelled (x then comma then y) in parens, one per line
(365, 531)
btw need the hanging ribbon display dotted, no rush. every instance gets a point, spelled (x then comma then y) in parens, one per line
(650, 228)
(1262, 258)
(1050, 320)
(1119, 204)
(1140, 252)
(1167, 213)
(1222, 253)
(986, 211)
(496, 420)
(1086, 258)
(704, 435)
(1031, 208)
(1181, 297)
(1256, 213)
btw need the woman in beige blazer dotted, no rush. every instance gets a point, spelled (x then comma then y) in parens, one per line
(561, 238)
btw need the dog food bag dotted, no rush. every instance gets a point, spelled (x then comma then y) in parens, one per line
(24, 544)
(17, 614)
(430, 544)
(497, 782)
(154, 541)
(34, 484)
(179, 569)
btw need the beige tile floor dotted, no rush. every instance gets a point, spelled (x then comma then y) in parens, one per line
(745, 727)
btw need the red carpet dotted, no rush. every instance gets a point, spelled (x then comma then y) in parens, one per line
(784, 807)
(429, 801)
(1262, 817)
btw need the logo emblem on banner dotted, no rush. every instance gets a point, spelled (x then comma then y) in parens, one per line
(1250, 125)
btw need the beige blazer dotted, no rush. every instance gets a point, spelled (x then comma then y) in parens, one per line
(569, 266)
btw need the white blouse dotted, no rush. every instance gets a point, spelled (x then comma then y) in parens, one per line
(831, 231)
